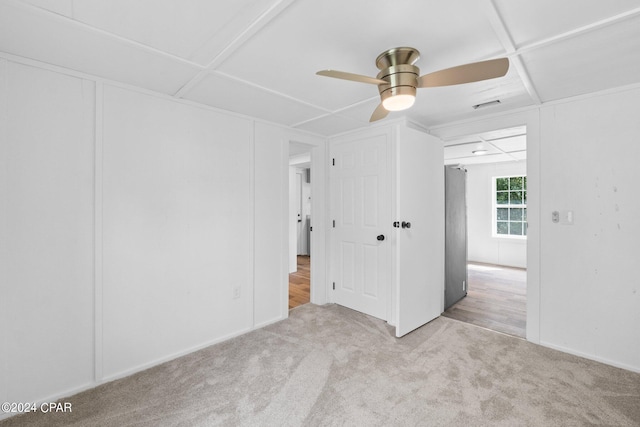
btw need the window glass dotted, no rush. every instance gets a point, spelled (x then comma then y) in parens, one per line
(510, 206)
(503, 227)
(502, 198)
(502, 184)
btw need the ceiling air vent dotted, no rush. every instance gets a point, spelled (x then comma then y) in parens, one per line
(486, 104)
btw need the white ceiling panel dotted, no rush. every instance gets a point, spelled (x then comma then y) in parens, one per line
(363, 111)
(330, 125)
(504, 133)
(462, 140)
(532, 21)
(259, 57)
(466, 150)
(445, 104)
(348, 36)
(508, 144)
(232, 95)
(515, 143)
(519, 155)
(61, 42)
(475, 160)
(194, 29)
(63, 7)
(182, 28)
(605, 58)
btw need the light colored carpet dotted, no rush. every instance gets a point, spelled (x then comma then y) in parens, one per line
(332, 366)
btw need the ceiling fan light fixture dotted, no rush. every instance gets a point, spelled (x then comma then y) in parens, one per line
(397, 98)
(398, 102)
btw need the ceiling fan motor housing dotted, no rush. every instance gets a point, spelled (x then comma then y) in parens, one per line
(403, 80)
(397, 69)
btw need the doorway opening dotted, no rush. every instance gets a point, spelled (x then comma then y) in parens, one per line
(300, 224)
(496, 229)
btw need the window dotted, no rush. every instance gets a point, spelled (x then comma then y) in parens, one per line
(510, 206)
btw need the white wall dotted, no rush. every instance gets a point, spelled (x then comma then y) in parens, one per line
(127, 220)
(482, 246)
(582, 294)
(177, 206)
(590, 294)
(46, 232)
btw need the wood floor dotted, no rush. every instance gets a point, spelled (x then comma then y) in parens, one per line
(299, 283)
(496, 299)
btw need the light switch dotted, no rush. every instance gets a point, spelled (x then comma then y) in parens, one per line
(562, 217)
(566, 217)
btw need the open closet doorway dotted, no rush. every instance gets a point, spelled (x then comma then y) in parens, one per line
(494, 292)
(300, 201)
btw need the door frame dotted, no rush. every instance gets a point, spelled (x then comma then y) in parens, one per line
(531, 119)
(318, 244)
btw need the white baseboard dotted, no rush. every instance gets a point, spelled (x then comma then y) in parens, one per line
(591, 357)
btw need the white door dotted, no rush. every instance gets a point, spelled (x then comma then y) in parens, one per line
(419, 258)
(360, 207)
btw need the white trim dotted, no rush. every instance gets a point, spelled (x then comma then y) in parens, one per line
(4, 224)
(268, 322)
(66, 71)
(267, 90)
(373, 127)
(580, 30)
(590, 357)
(284, 256)
(261, 21)
(251, 294)
(158, 361)
(98, 233)
(503, 35)
(319, 213)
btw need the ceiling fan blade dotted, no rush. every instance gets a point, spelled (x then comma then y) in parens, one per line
(350, 76)
(378, 114)
(467, 73)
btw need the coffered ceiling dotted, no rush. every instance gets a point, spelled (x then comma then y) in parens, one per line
(259, 57)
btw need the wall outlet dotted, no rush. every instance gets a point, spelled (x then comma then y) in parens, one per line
(236, 292)
(464, 285)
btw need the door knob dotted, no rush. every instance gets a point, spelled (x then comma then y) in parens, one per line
(380, 237)
(406, 224)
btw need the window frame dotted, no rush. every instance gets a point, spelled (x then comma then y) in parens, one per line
(495, 206)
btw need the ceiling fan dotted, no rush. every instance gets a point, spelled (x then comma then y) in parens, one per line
(398, 78)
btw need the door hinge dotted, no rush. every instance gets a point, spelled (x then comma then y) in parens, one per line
(333, 162)
(334, 223)
(334, 286)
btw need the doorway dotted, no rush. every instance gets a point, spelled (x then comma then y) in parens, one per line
(496, 299)
(496, 207)
(300, 203)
